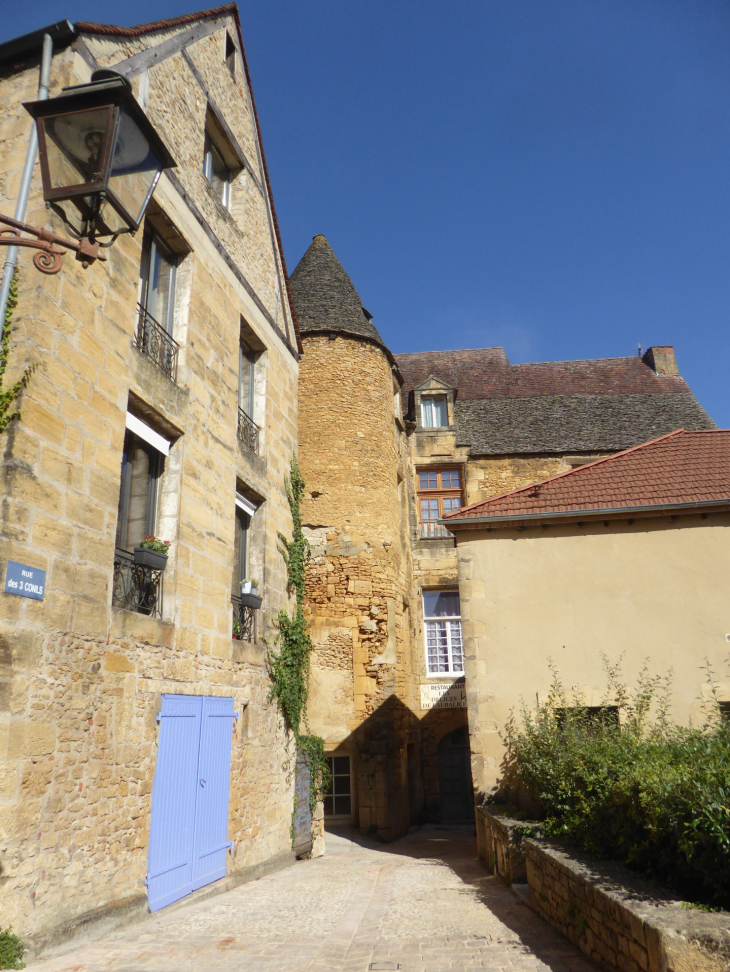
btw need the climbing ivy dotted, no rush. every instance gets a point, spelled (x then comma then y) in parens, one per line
(289, 666)
(7, 397)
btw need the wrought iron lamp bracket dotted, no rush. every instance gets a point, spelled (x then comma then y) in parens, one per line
(48, 260)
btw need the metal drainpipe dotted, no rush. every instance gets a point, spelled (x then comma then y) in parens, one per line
(12, 253)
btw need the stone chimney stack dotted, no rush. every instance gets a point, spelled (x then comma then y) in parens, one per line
(661, 360)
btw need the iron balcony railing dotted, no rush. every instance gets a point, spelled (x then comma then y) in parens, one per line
(136, 587)
(432, 531)
(153, 340)
(248, 431)
(244, 620)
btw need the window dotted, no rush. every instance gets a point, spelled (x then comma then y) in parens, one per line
(137, 584)
(588, 717)
(444, 644)
(217, 172)
(246, 370)
(244, 613)
(159, 265)
(230, 55)
(157, 303)
(142, 467)
(439, 493)
(724, 712)
(338, 798)
(434, 412)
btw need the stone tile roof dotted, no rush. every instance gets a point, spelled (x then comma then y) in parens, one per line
(603, 404)
(677, 470)
(573, 423)
(325, 297)
(486, 373)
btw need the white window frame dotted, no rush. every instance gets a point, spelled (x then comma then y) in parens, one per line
(427, 406)
(210, 147)
(451, 626)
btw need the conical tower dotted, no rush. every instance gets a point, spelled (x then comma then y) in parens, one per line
(352, 453)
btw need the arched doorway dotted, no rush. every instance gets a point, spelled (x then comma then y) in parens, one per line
(455, 785)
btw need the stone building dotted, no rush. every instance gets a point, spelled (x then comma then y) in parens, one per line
(389, 445)
(163, 401)
(624, 557)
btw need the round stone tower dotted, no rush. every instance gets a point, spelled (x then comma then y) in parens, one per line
(352, 454)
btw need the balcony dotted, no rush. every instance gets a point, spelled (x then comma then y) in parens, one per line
(153, 340)
(136, 588)
(430, 530)
(244, 620)
(248, 432)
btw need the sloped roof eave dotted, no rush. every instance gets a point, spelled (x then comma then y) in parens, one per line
(575, 516)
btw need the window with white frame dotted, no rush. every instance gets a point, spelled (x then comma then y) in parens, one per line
(444, 642)
(217, 172)
(434, 412)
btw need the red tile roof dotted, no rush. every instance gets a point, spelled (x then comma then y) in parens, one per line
(486, 373)
(89, 28)
(679, 469)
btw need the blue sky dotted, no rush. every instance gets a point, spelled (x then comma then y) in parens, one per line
(552, 176)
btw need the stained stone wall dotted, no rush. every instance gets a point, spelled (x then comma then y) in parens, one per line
(80, 678)
(352, 455)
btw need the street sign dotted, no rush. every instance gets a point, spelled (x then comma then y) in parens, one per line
(25, 581)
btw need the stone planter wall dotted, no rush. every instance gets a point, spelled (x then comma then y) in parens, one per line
(619, 921)
(499, 847)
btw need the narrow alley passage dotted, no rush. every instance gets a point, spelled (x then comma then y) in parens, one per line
(422, 904)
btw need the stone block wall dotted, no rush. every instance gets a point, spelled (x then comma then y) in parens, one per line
(352, 456)
(620, 922)
(81, 679)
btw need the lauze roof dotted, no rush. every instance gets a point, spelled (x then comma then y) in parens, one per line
(600, 405)
(679, 470)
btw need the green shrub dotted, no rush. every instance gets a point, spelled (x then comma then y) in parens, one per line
(636, 788)
(11, 950)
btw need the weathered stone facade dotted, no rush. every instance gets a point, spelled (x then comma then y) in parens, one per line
(81, 676)
(359, 582)
(363, 446)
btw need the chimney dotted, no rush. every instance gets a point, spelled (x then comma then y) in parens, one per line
(661, 360)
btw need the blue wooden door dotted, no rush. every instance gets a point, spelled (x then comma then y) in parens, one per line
(214, 773)
(172, 827)
(189, 824)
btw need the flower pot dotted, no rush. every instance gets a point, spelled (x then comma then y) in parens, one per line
(246, 587)
(149, 558)
(251, 600)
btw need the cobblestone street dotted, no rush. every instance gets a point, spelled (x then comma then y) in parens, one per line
(422, 904)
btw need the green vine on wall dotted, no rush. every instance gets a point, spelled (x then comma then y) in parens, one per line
(289, 666)
(8, 396)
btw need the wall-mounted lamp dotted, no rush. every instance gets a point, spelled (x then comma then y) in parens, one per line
(100, 162)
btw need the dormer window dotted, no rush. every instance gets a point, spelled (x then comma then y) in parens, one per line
(217, 172)
(434, 412)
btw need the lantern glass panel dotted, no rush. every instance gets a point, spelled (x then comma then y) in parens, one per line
(75, 147)
(134, 169)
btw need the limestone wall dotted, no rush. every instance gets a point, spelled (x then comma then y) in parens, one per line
(621, 923)
(80, 679)
(352, 457)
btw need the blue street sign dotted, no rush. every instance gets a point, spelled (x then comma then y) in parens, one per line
(25, 581)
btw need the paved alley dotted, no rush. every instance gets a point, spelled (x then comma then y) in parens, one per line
(422, 904)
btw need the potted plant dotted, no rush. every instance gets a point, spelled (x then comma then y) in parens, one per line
(249, 593)
(250, 587)
(152, 552)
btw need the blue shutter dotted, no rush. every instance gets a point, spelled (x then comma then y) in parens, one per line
(172, 827)
(214, 773)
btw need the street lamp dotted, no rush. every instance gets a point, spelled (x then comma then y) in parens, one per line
(100, 162)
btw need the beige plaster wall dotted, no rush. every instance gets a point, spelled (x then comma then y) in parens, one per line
(653, 590)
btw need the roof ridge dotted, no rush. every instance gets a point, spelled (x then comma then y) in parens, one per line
(569, 472)
(88, 27)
